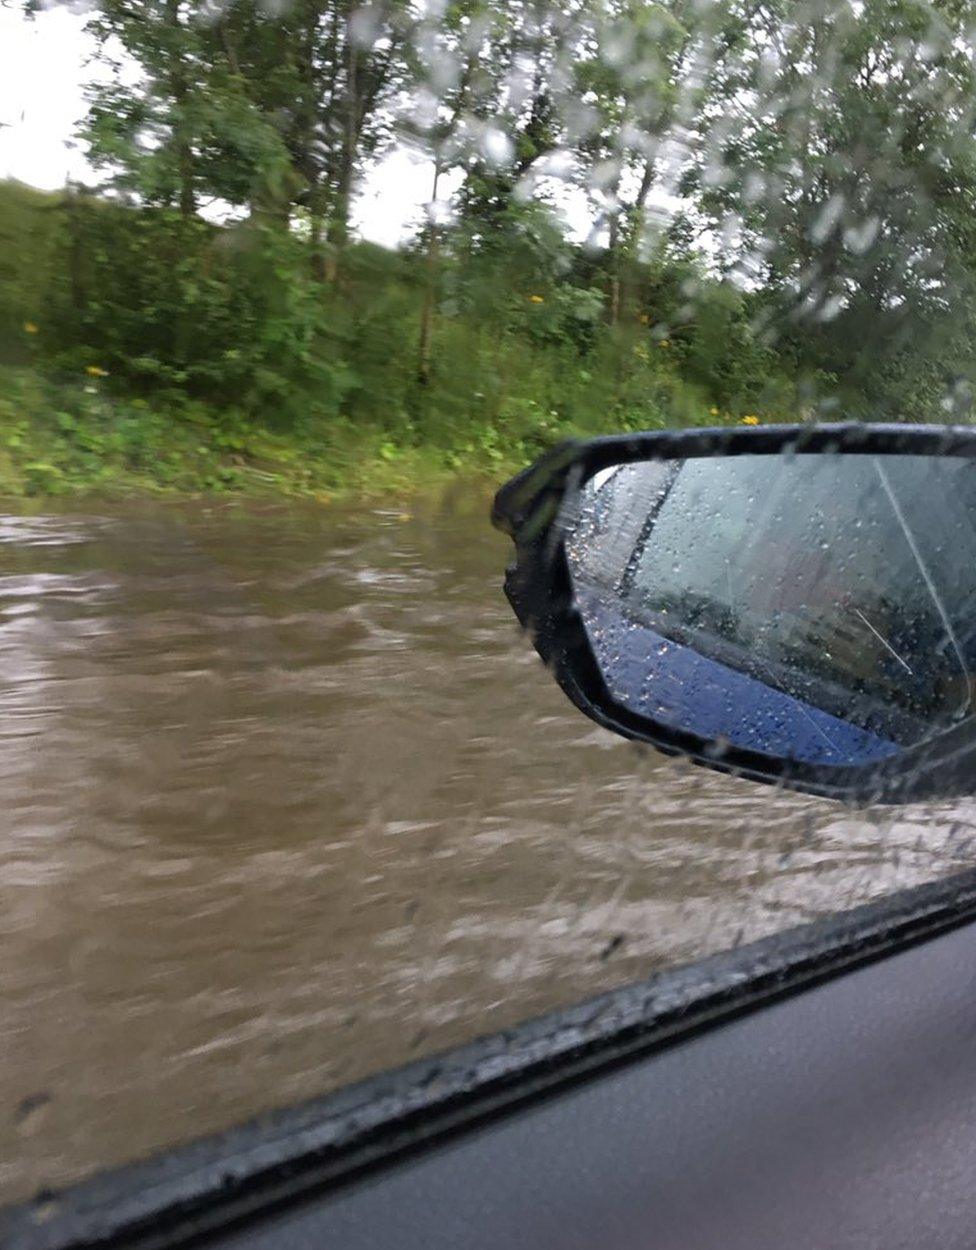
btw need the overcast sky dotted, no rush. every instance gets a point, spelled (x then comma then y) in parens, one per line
(44, 65)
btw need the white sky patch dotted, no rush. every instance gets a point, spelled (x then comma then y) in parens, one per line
(45, 64)
(42, 72)
(395, 194)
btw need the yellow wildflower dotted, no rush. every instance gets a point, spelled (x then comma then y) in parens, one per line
(750, 420)
(665, 343)
(30, 327)
(96, 371)
(713, 412)
(536, 299)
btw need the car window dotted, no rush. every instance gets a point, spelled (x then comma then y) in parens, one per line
(287, 289)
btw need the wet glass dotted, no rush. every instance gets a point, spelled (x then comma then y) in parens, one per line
(818, 608)
(286, 800)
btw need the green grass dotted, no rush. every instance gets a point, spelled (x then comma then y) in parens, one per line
(62, 437)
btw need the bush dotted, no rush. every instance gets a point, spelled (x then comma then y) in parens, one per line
(230, 315)
(178, 354)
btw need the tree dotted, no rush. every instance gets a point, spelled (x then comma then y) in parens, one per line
(517, 114)
(836, 170)
(630, 80)
(266, 109)
(444, 72)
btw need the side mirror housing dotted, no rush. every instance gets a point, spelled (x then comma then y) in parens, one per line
(796, 604)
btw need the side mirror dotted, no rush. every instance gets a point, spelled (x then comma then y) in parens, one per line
(796, 604)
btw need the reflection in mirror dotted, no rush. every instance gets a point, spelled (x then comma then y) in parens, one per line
(819, 608)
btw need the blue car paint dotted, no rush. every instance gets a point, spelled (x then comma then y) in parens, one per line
(654, 676)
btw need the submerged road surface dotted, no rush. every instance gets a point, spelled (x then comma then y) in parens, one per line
(286, 799)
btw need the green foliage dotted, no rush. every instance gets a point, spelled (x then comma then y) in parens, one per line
(822, 258)
(269, 108)
(850, 178)
(232, 315)
(187, 356)
(28, 221)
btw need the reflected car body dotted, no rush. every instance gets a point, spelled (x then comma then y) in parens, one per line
(680, 684)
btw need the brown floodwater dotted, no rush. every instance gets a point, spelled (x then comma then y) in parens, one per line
(286, 800)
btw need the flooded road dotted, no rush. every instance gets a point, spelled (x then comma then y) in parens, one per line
(286, 799)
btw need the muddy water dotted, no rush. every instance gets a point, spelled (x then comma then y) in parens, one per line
(286, 800)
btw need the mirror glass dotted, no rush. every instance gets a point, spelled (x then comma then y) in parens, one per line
(814, 607)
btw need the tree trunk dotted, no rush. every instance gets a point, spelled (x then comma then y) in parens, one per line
(434, 235)
(184, 151)
(427, 309)
(308, 162)
(187, 201)
(630, 243)
(77, 250)
(318, 258)
(338, 233)
(613, 247)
